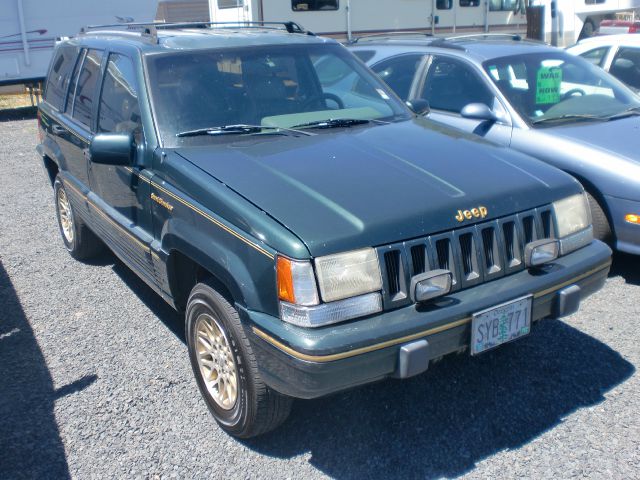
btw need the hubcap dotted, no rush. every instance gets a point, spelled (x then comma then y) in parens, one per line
(215, 360)
(66, 217)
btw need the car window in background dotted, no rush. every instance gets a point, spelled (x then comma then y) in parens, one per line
(119, 107)
(59, 75)
(398, 72)
(452, 84)
(85, 88)
(278, 87)
(558, 86)
(596, 56)
(626, 66)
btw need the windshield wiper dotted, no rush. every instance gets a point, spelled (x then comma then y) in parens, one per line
(569, 117)
(625, 113)
(238, 129)
(338, 122)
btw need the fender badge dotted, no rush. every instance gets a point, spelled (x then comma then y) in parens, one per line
(477, 212)
(161, 201)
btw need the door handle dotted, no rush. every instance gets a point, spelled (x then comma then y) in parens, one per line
(58, 130)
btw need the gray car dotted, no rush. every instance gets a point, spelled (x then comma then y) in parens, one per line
(534, 98)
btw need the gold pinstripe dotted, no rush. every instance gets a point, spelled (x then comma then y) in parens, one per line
(118, 226)
(358, 351)
(573, 280)
(389, 343)
(205, 215)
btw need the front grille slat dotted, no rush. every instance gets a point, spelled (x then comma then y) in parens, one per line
(392, 262)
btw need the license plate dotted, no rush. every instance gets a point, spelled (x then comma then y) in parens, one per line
(500, 324)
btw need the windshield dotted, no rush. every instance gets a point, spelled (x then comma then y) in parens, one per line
(551, 87)
(273, 86)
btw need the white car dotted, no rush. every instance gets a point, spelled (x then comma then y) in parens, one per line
(617, 54)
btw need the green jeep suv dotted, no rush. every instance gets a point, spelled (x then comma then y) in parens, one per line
(316, 238)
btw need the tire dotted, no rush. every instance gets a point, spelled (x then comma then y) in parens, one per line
(80, 242)
(601, 228)
(224, 359)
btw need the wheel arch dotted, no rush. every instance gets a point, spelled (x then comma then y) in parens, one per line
(598, 195)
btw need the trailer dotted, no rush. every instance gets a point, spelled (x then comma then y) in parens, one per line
(349, 18)
(29, 29)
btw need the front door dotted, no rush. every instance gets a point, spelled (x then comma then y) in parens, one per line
(119, 194)
(449, 85)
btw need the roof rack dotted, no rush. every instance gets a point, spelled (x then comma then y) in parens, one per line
(513, 36)
(390, 34)
(150, 29)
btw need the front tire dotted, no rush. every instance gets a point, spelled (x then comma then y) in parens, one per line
(80, 242)
(226, 369)
(601, 227)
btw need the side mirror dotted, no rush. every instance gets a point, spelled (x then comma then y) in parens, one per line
(112, 148)
(419, 106)
(478, 111)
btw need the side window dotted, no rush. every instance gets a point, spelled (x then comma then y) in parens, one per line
(469, 3)
(398, 72)
(119, 107)
(313, 5)
(444, 4)
(230, 3)
(502, 5)
(626, 66)
(451, 85)
(595, 56)
(85, 88)
(59, 75)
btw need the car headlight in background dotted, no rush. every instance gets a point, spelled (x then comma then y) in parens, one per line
(573, 222)
(349, 284)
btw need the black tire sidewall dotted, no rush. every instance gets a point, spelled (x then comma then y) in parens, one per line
(70, 246)
(202, 301)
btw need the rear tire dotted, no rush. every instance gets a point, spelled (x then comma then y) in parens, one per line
(601, 228)
(80, 242)
(226, 369)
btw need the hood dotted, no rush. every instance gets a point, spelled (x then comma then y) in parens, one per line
(367, 186)
(616, 137)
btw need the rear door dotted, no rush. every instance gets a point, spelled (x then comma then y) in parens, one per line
(449, 84)
(625, 66)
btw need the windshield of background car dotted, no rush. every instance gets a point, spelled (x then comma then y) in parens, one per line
(272, 86)
(555, 86)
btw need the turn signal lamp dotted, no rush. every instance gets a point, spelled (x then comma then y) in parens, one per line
(433, 284)
(632, 218)
(296, 282)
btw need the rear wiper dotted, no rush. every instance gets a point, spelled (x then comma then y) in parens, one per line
(625, 113)
(238, 129)
(569, 117)
(337, 122)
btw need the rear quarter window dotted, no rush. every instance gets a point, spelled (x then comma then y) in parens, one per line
(59, 74)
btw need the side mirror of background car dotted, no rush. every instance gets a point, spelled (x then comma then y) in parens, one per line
(419, 106)
(478, 111)
(112, 148)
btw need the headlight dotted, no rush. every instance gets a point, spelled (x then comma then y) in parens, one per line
(572, 214)
(348, 274)
(346, 283)
(573, 221)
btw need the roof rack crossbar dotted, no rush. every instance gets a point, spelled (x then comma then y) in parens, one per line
(390, 34)
(512, 36)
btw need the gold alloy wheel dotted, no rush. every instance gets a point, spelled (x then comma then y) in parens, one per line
(66, 216)
(215, 360)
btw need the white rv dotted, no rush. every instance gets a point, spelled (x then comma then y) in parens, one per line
(29, 28)
(348, 18)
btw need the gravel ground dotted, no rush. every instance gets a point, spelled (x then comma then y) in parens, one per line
(95, 381)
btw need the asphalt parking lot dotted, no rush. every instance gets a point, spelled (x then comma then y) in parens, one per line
(95, 380)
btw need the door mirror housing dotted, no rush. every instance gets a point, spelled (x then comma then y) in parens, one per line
(112, 148)
(479, 111)
(419, 106)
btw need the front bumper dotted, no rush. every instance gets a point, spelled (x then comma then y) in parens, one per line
(309, 363)
(627, 234)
